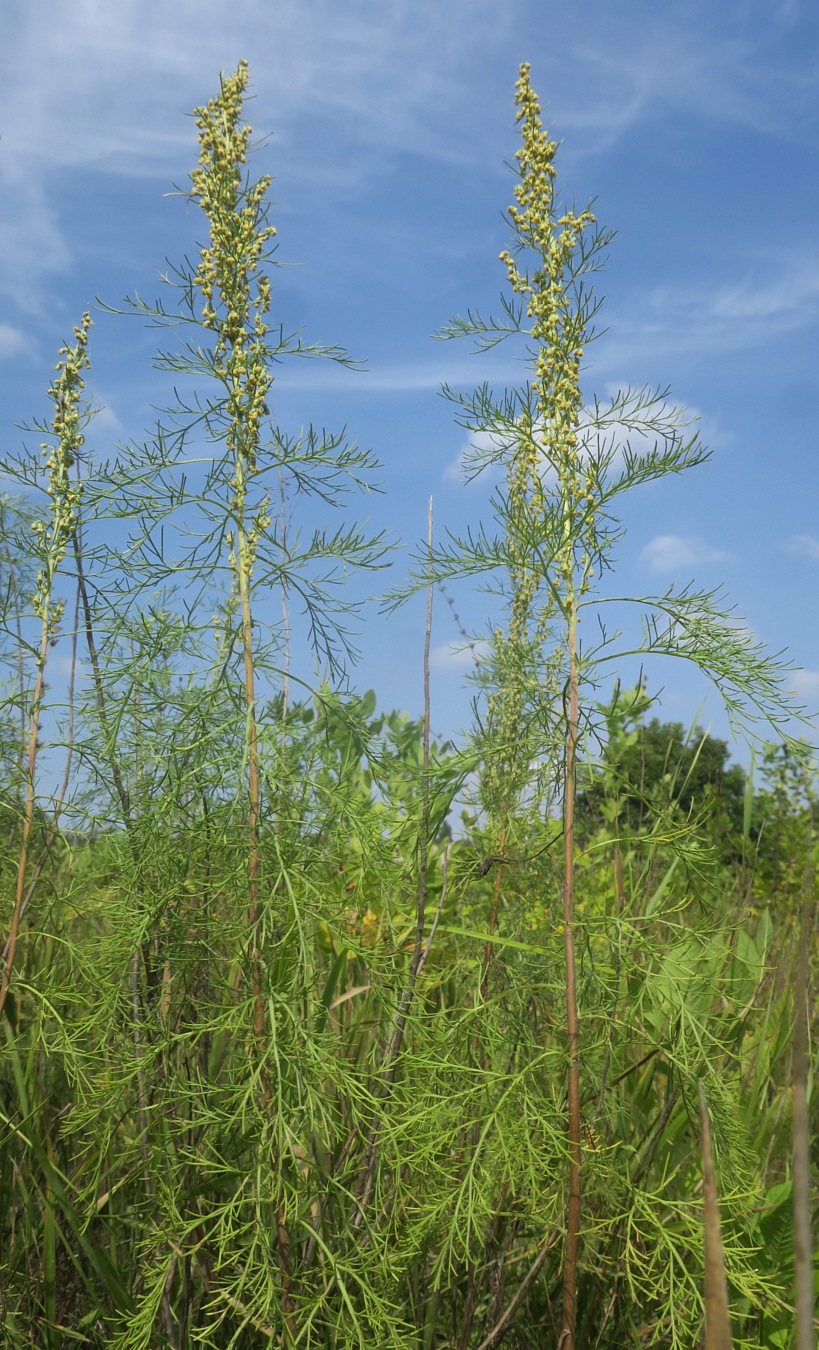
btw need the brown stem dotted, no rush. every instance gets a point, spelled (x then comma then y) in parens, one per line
(60, 802)
(28, 819)
(389, 1062)
(423, 860)
(621, 901)
(420, 948)
(72, 676)
(285, 609)
(18, 625)
(99, 692)
(493, 918)
(717, 1321)
(572, 1024)
(127, 818)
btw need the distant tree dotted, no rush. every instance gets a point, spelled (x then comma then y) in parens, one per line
(783, 820)
(652, 765)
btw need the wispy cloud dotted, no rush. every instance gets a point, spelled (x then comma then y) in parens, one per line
(457, 656)
(475, 461)
(664, 63)
(805, 545)
(105, 88)
(806, 683)
(62, 665)
(393, 378)
(672, 552)
(624, 421)
(770, 298)
(13, 342)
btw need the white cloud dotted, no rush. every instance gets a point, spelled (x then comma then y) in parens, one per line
(771, 298)
(475, 461)
(457, 656)
(106, 87)
(672, 552)
(604, 434)
(806, 683)
(691, 65)
(406, 377)
(105, 419)
(13, 342)
(805, 545)
(455, 470)
(61, 665)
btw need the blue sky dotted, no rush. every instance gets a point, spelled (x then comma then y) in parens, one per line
(694, 125)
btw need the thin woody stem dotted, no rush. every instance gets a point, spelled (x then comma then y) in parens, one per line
(65, 426)
(717, 1320)
(254, 913)
(420, 948)
(14, 588)
(60, 802)
(28, 818)
(127, 818)
(803, 1260)
(572, 1023)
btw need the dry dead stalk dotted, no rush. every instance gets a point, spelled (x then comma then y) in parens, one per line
(717, 1320)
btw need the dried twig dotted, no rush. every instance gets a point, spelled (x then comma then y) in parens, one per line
(503, 1322)
(717, 1321)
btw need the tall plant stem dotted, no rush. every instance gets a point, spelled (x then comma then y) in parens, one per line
(423, 860)
(254, 913)
(123, 795)
(254, 805)
(420, 951)
(474, 1280)
(572, 1023)
(60, 802)
(717, 1319)
(14, 588)
(420, 948)
(124, 798)
(28, 815)
(805, 1329)
(493, 916)
(64, 502)
(285, 605)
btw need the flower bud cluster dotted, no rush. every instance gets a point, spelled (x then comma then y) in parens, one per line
(64, 493)
(235, 293)
(547, 432)
(557, 321)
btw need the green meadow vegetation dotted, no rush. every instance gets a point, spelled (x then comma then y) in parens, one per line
(291, 1052)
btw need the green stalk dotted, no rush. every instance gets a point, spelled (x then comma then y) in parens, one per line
(800, 1080)
(572, 1023)
(53, 539)
(236, 301)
